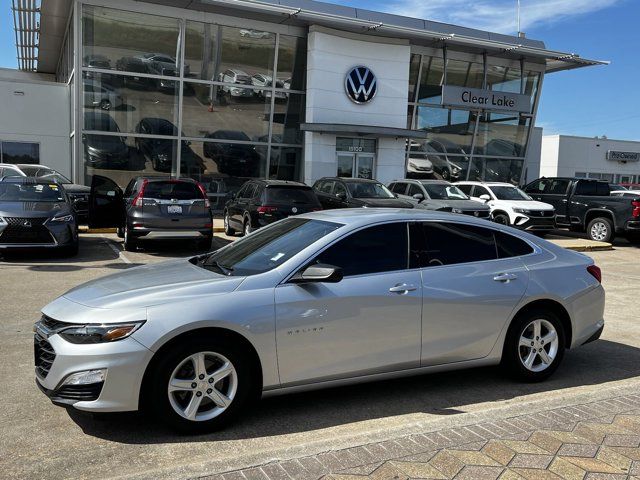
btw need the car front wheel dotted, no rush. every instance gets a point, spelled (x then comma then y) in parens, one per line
(202, 385)
(228, 231)
(501, 218)
(534, 346)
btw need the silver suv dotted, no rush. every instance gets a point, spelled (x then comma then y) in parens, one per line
(317, 300)
(151, 205)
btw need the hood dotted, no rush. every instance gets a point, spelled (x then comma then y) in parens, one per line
(527, 204)
(433, 204)
(381, 202)
(148, 285)
(75, 188)
(33, 209)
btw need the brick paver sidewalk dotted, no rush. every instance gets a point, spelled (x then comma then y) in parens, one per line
(599, 440)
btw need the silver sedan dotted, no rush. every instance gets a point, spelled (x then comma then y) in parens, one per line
(318, 300)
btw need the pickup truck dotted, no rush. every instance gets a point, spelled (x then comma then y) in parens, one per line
(586, 205)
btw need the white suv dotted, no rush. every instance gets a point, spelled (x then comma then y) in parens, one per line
(511, 206)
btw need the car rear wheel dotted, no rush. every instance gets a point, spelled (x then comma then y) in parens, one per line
(227, 226)
(601, 230)
(247, 226)
(130, 242)
(201, 385)
(501, 218)
(534, 346)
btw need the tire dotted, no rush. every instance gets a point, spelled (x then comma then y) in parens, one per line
(228, 231)
(178, 363)
(516, 357)
(601, 229)
(247, 229)
(130, 242)
(105, 104)
(501, 218)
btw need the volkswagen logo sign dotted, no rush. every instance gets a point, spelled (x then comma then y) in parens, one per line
(360, 84)
(26, 224)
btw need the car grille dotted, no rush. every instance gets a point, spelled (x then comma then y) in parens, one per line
(44, 355)
(86, 393)
(26, 230)
(541, 213)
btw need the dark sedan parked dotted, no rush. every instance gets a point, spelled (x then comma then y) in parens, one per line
(438, 195)
(157, 205)
(261, 202)
(234, 159)
(103, 151)
(36, 213)
(356, 192)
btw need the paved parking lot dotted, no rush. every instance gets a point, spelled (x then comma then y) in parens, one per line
(40, 440)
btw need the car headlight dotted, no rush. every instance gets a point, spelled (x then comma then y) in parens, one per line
(63, 218)
(521, 210)
(94, 333)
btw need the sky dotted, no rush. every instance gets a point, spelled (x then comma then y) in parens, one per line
(602, 100)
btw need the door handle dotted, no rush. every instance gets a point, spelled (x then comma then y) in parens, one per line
(505, 277)
(403, 288)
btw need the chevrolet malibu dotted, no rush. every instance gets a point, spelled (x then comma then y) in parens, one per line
(317, 300)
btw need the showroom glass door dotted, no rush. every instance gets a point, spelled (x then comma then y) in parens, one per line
(356, 157)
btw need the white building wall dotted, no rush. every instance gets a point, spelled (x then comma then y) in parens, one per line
(564, 155)
(331, 54)
(33, 108)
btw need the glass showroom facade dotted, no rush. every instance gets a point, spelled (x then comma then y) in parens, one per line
(470, 144)
(220, 102)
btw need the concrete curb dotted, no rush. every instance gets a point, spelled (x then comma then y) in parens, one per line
(582, 245)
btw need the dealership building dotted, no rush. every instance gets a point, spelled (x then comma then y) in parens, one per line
(224, 90)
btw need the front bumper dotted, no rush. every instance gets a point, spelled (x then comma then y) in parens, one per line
(533, 224)
(47, 235)
(124, 360)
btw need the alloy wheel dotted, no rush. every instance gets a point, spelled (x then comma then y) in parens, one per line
(202, 386)
(599, 231)
(538, 345)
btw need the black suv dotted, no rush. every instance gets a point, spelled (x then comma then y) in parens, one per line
(261, 202)
(356, 192)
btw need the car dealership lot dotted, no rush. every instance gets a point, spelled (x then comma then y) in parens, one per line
(43, 441)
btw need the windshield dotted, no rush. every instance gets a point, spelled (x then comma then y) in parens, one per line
(369, 190)
(509, 193)
(442, 191)
(33, 192)
(268, 247)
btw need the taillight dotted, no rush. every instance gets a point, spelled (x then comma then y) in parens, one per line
(596, 272)
(137, 201)
(636, 208)
(266, 209)
(203, 191)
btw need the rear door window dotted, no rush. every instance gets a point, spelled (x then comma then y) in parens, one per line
(414, 189)
(172, 190)
(442, 243)
(465, 188)
(289, 195)
(510, 246)
(382, 248)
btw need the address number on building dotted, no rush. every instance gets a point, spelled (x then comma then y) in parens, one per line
(355, 149)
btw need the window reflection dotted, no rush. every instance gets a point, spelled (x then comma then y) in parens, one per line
(503, 79)
(209, 108)
(453, 127)
(129, 99)
(431, 80)
(502, 135)
(286, 163)
(464, 74)
(414, 68)
(120, 39)
(292, 62)
(287, 116)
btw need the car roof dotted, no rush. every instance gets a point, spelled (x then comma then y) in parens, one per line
(280, 183)
(10, 165)
(351, 180)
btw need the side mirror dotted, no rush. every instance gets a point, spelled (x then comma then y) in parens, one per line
(319, 273)
(341, 196)
(485, 197)
(418, 196)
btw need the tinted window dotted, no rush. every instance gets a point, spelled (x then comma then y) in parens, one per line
(369, 190)
(399, 188)
(478, 190)
(30, 192)
(339, 189)
(172, 190)
(290, 195)
(435, 244)
(465, 188)
(586, 187)
(444, 191)
(244, 191)
(361, 252)
(414, 189)
(268, 247)
(538, 186)
(325, 187)
(509, 193)
(510, 246)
